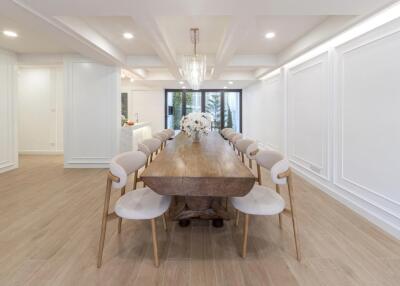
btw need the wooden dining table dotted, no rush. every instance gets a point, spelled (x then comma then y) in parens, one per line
(200, 175)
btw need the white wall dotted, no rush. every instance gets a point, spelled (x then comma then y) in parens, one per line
(148, 102)
(342, 131)
(40, 110)
(91, 114)
(263, 113)
(8, 112)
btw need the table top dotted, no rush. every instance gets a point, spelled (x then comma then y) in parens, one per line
(207, 168)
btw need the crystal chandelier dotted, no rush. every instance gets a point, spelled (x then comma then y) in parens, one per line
(194, 67)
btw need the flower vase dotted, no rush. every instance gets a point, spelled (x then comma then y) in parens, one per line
(196, 137)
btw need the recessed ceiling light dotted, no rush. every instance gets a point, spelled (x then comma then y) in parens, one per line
(270, 35)
(9, 33)
(127, 35)
(231, 82)
(181, 82)
(131, 80)
(183, 87)
(225, 87)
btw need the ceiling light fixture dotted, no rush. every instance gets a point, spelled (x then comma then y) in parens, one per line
(270, 35)
(183, 87)
(194, 67)
(10, 34)
(131, 80)
(181, 82)
(127, 35)
(225, 87)
(231, 82)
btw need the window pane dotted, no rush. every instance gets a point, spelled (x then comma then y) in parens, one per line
(193, 101)
(232, 110)
(174, 109)
(124, 104)
(213, 106)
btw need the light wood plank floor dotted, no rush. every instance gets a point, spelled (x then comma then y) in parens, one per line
(50, 223)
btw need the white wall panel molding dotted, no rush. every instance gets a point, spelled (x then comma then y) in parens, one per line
(354, 94)
(8, 112)
(91, 113)
(367, 125)
(308, 96)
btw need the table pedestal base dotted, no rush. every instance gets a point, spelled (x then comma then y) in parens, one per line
(199, 207)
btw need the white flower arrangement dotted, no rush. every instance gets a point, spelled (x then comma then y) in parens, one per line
(196, 123)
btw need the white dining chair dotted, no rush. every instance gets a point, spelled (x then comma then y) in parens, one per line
(229, 133)
(251, 153)
(162, 137)
(171, 133)
(262, 200)
(242, 145)
(141, 204)
(234, 139)
(153, 144)
(225, 130)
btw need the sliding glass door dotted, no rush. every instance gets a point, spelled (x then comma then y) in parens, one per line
(213, 106)
(224, 105)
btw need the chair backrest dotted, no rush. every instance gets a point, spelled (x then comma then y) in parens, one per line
(225, 130)
(160, 136)
(144, 149)
(275, 163)
(153, 144)
(242, 144)
(237, 137)
(229, 132)
(252, 150)
(125, 164)
(171, 132)
(166, 133)
(230, 135)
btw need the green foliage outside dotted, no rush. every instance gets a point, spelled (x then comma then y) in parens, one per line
(214, 107)
(177, 104)
(228, 117)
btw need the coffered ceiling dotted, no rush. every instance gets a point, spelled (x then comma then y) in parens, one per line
(232, 32)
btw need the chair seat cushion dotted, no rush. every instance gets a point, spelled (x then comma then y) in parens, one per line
(142, 203)
(260, 200)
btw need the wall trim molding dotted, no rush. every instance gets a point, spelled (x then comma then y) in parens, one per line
(322, 60)
(40, 152)
(342, 195)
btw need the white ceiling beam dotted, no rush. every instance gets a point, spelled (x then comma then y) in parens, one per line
(81, 38)
(158, 40)
(234, 36)
(144, 62)
(256, 61)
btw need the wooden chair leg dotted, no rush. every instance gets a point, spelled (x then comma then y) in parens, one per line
(104, 224)
(245, 234)
(250, 163)
(294, 224)
(120, 219)
(164, 222)
(242, 157)
(151, 157)
(278, 190)
(226, 204)
(155, 248)
(237, 218)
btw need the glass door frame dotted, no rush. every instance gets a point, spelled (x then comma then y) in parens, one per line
(203, 103)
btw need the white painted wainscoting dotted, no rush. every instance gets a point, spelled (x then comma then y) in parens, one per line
(8, 112)
(91, 114)
(40, 110)
(342, 115)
